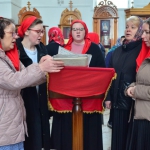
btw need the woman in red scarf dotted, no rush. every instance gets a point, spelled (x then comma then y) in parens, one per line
(31, 50)
(94, 37)
(56, 39)
(140, 92)
(14, 77)
(79, 43)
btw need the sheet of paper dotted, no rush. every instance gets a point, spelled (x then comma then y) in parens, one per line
(62, 50)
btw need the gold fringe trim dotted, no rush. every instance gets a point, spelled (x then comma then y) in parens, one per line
(113, 78)
(88, 112)
(48, 76)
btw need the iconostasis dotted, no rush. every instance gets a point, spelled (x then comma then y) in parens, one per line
(105, 23)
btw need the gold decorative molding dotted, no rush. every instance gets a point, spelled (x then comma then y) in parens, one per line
(145, 11)
(67, 16)
(105, 9)
(25, 12)
(107, 3)
(147, 6)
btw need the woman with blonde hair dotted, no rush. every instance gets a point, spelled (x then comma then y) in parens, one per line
(139, 91)
(123, 60)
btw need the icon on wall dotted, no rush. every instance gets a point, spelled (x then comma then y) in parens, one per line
(105, 32)
(66, 32)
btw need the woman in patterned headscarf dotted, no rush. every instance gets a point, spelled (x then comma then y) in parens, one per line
(56, 39)
(139, 135)
(124, 61)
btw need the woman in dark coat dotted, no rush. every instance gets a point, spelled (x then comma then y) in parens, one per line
(56, 39)
(123, 60)
(61, 135)
(35, 98)
(139, 91)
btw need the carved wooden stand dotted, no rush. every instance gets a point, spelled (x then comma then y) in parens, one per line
(77, 125)
(77, 118)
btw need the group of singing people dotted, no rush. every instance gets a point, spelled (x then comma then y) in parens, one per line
(24, 64)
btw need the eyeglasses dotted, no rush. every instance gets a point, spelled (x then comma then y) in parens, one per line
(76, 29)
(38, 31)
(13, 33)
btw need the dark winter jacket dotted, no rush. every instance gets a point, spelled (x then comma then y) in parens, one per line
(52, 48)
(36, 107)
(123, 60)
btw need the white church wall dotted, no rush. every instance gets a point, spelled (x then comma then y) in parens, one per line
(121, 22)
(10, 9)
(5, 8)
(51, 11)
(55, 2)
(50, 16)
(140, 3)
(15, 8)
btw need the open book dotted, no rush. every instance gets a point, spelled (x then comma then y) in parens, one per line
(72, 59)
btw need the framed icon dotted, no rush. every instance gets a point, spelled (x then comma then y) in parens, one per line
(105, 26)
(66, 32)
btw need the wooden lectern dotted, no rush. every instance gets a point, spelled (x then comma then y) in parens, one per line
(60, 82)
(77, 118)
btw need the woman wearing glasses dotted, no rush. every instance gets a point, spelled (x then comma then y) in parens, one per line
(35, 98)
(61, 135)
(14, 77)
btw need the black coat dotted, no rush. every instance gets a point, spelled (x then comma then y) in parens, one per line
(123, 60)
(97, 56)
(36, 107)
(52, 48)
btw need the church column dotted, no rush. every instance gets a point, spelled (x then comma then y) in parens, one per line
(115, 29)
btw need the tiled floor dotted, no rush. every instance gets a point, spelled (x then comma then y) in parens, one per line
(106, 132)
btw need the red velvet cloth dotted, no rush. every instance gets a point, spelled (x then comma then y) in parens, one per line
(80, 82)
